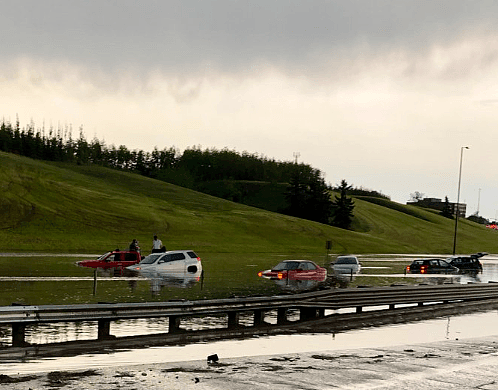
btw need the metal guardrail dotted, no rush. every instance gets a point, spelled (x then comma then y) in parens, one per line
(114, 311)
(311, 304)
(405, 295)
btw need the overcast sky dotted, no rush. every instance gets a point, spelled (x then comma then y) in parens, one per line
(380, 93)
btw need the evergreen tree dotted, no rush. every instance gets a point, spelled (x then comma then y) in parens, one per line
(342, 207)
(308, 195)
(296, 195)
(446, 211)
(320, 204)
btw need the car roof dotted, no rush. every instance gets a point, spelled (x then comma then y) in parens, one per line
(301, 261)
(175, 251)
(424, 260)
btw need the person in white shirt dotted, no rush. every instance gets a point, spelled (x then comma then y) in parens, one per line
(157, 245)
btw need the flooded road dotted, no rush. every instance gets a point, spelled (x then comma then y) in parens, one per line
(77, 288)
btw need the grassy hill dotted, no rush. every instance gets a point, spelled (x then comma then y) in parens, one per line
(67, 208)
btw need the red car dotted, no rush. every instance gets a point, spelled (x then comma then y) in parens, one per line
(295, 270)
(114, 259)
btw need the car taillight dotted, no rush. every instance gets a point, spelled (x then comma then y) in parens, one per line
(423, 269)
(198, 259)
(280, 275)
(408, 269)
(260, 274)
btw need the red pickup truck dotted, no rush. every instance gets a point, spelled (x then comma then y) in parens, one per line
(114, 259)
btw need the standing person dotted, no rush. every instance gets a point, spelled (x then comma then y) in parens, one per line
(157, 245)
(134, 246)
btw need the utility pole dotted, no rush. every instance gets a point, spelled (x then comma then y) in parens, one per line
(458, 199)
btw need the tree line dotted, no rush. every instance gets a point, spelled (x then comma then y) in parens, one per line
(306, 195)
(197, 164)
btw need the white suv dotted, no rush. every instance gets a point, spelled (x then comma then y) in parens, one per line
(174, 262)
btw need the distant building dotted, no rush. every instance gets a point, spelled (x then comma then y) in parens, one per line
(438, 204)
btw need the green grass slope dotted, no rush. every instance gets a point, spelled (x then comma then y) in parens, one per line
(55, 207)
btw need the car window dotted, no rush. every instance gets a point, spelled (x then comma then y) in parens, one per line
(103, 257)
(164, 259)
(151, 259)
(346, 260)
(130, 256)
(177, 256)
(286, 265)
(192, 255)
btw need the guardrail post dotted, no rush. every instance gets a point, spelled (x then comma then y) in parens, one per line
(359, 309)
(281, 315)
(104, 330)
(307, 313)
(174, 324)
(259, 317)
(233, 319)
(391, 306)
(95, 282)
(321, 312)
(18, 335)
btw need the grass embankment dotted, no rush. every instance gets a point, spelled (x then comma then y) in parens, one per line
(66, 208)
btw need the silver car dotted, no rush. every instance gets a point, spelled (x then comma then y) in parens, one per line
(346, 265)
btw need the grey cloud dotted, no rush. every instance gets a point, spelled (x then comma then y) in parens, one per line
(230, 35)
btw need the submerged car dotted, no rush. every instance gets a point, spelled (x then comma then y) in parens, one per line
(179, 262)
(113, 259)
(295, 270)
(431, 266)
(346, 265)
(467, 263)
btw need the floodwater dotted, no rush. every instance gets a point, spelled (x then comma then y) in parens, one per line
(449, 328)
(465, 326)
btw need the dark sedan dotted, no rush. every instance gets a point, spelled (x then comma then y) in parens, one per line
(431, 266)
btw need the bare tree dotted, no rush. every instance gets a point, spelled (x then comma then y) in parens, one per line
(416, 196)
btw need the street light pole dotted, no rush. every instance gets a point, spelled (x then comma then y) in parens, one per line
(458, 199)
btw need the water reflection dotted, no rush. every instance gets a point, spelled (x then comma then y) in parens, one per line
(160, 280)
(489, 274)
(295, 285)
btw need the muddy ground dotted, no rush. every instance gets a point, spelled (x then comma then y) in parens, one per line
(452, 364)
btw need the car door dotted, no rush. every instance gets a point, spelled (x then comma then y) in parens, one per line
(130, 258)
(173, 263)
(445, 267)
(305, 271)
(113, 260)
